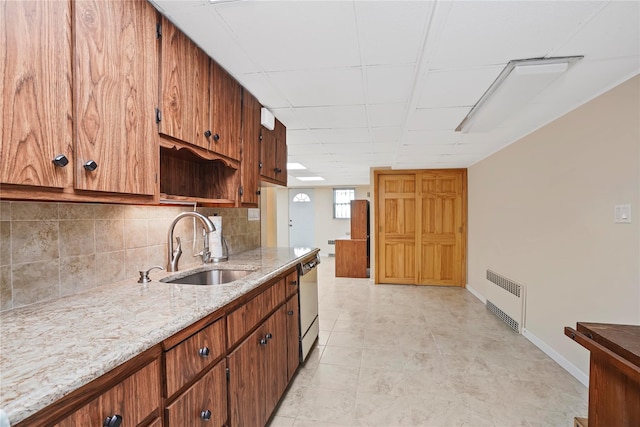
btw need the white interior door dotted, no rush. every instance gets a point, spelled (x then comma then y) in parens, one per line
(301, 218)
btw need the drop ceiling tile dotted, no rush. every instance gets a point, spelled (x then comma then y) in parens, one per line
(485, 32)
(386, 134)
(262, 88)
(456, 88)
(386, 115)
(423, 137)
(436, 118)
(301, 136)
(614, 32)
(295, 35)
(171, 5)
(320, 87)
(391, 32)
(357, 135)
(388, 84)
(292, 119)
(336, 117)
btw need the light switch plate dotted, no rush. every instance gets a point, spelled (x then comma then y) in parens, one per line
(622, 214)
(253, 214)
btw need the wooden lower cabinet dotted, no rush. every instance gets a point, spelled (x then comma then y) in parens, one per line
(351, 258)
(293, 336)
(258, 373)
(134, 399)
(204, 403)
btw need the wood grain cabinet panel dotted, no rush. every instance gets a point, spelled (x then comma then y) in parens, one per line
(291, 284)
(186, 360)
(204, 403)
(36, 93)
(242, 320)
(114, 96)
(184, 87)
(226, 113)
(273, 154)
(293, 336)
(249, 170)
(351, 258)
(134, 399)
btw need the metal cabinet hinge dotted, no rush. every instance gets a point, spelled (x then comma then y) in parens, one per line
(259, 165)
(158, 30)
(158, 115)
(241, 190)
(228, 374)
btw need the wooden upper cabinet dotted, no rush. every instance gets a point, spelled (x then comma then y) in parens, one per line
(273, 154)
(249, 169)
(35, 50)
(184, 88)
(114, 96)
(226, 113)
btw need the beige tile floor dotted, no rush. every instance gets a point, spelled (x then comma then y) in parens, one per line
(392, 355)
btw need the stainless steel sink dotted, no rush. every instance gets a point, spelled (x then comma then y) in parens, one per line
(209, 277)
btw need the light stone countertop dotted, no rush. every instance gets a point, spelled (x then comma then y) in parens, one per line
(49, 349)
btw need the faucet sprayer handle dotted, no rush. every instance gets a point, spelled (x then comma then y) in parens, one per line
(144, 274)
(178, 249)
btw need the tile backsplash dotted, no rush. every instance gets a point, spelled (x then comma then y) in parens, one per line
(50, 250)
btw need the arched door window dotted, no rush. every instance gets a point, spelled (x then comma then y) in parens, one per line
(301, 198)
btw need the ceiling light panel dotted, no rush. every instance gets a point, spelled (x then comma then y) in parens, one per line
(391, 31)
(293, 35)
(328, 86)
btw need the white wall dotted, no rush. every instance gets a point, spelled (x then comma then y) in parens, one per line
(541, 212)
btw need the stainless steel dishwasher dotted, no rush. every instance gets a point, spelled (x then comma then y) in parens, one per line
(308, 299)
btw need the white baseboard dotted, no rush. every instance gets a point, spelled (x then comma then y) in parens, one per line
(476, 294)
(557, 357)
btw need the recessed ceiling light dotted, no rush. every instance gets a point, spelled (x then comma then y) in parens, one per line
(310, 178)
(295, 166)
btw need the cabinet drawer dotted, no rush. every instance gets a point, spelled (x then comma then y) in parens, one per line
(242, 320)
(204, 403)
(292, 283)
(186, 360)
(134, 399)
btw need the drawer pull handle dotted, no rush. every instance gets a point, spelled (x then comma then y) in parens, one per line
(113, 421)
(204, 352)
(263, 341)
(205, 415)
(290, 312)
(268, 336)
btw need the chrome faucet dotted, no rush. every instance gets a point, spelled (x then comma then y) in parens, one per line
(174, 255)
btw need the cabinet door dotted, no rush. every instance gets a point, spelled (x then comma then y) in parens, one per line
(184, 87)
(134, 399)
(250, 149)
(267, 153)
(246, 392)
(36, 95)
(281, 153)
(204, 403)
(114, 96)
(275, 377)
(293, 336)
(226, 113)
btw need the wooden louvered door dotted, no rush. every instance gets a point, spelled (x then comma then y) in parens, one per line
(441, 246)
(396, 239)
(421, 227)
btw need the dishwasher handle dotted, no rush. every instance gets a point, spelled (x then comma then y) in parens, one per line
(306, 267)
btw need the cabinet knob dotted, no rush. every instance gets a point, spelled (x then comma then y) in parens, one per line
(263, 341)
(216, 137)
(113, 421)
(294, 283)
(205, 415)
(204, 352)
(290, 312)
(277, 170)
(91, 165)
(207, 133)
(60, 160)
(268, 336)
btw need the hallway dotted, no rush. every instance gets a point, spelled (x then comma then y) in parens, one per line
(392, 355)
